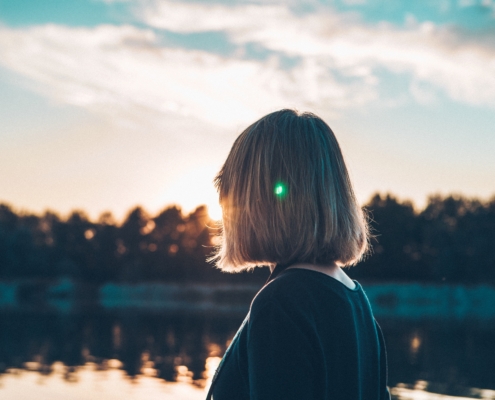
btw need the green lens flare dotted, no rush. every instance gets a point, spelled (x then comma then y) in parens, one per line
(280, 190)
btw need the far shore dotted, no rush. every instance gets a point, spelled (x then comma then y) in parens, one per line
(388, 299)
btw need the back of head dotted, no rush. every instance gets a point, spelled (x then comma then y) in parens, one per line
(286, 197)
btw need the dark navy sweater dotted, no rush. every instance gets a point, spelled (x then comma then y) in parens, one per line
(306, 336)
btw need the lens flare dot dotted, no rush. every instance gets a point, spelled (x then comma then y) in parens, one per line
(280, 190)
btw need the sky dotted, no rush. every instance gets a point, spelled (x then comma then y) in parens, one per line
(109, 104)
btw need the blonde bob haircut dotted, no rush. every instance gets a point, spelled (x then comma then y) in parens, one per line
(286, 197)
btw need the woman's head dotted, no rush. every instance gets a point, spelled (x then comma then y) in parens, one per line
(286, 197)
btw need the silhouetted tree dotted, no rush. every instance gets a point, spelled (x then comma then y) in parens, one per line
(395, 252)
(132, 243)
(452, 239)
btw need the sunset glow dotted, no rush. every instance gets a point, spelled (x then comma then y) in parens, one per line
(193, 188)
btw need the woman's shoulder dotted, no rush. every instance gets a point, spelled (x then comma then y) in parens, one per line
(300, 289)
(286, 285)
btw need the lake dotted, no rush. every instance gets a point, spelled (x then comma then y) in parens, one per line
(109, 352)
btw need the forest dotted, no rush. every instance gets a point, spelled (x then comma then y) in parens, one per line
(451, 240)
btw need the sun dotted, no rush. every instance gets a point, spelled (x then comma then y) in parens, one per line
(214, 211)
(194, 188)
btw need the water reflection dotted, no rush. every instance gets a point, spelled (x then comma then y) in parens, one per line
(423, 390)
(179, 351)
(173, 347)
(454, 355)
(93, 383)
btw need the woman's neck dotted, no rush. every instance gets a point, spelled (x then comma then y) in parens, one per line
(332, 270)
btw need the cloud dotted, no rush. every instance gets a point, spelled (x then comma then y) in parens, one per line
(436, 55)
(124, 71)
(200, 17)
(127, 73)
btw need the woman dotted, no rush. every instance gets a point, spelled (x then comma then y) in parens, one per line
(288, 203)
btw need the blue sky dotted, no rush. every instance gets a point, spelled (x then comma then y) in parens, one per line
(109, 104)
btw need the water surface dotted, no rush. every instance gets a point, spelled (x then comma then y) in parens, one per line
(129, 354)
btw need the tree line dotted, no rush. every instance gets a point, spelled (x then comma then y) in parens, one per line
(451, 240)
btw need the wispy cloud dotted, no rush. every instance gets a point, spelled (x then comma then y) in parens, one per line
(436, 55)
(124, 69)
